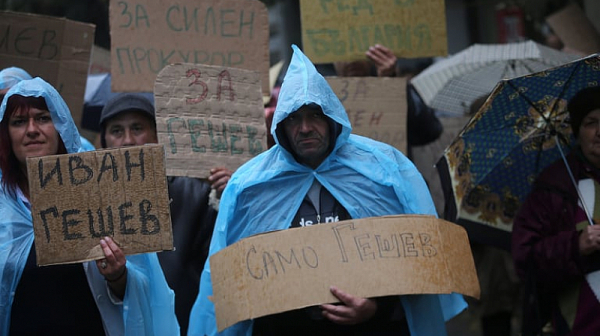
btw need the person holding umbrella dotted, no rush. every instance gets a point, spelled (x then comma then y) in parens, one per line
(554, 242)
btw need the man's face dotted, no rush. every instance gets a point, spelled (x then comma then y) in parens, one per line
(589, 137)
(32, 133)
(308, 132)
(132, 128)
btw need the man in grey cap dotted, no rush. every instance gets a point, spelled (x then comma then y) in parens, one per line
(128, 119)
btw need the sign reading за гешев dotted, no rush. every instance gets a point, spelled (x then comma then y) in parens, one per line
(208, 116)
(79, 198)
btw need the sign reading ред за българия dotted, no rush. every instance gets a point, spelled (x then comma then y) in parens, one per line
(344, 30)
(76, 199)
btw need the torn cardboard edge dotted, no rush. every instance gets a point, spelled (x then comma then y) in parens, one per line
(371, 257)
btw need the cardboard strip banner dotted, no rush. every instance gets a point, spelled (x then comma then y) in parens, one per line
(371, 257)
(77, 199)
(208, 116)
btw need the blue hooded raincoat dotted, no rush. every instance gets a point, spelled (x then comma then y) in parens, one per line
(367, 177)
(148, 305)
(11, 76)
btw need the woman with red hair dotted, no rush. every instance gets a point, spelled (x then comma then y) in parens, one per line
(110, 296)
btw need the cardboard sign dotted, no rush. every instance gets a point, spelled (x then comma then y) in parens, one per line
(148, 35)
(380, 256)
(55, 49)
(208, 116)
(79, 198)
(100, 60)
(344, 31)
(375, 106)
(575, 30)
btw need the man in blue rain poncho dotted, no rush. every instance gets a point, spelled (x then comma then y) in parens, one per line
(50, 300)
(318, 172)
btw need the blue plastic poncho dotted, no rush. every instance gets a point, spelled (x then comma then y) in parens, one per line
(367, 177)
(148, 305)
(11, 76)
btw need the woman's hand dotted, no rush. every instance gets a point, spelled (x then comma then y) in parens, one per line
(113, 266)
(218, 179)
(353, 311)
(589, 239)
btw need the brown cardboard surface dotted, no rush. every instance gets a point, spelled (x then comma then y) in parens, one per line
(575, 30)
(55, 49)
(343, 31)
(375, 106)
(208, 116)
(79, 198)
(147, 36)
(290, 269)
(100, 60)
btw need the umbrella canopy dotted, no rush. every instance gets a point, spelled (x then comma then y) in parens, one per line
(97, 93)
(488, 170)
(451, 85)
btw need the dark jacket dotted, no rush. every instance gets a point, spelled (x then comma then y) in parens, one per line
(545, 242)
(193, 220)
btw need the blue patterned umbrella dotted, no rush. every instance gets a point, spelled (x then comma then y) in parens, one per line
(489, 169)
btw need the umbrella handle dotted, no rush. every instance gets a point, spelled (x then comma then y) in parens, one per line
(585, 209)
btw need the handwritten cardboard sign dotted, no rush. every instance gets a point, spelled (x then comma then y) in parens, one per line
(380, 256)
(208, 116)
(344, 30)
(575, 30)
(100, 61)
(55, 49)
(148, 35)
(79, 198)
(375, 106)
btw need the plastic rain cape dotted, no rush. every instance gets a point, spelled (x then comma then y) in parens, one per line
(148, 306)
(367, 177)
(9, 77)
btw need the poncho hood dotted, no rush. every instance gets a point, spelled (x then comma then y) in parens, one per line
(61, 116)
(304, 85)
(11, 76)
